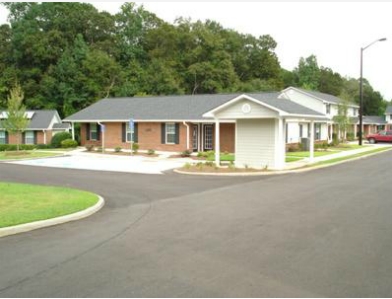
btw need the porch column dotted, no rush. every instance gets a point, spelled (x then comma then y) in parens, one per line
(73, 131)
(355, 131)
(217, 143)
(44, 131)
(280, 144)
(311, 147)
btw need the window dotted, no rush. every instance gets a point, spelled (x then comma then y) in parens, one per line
(29, 137)
(170, 133)
(301, 131)
(130, 134)
(93, 132)
(328, 108)
(354, 112)
(2, 137)
(317, 131)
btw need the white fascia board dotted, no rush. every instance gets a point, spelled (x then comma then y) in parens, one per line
(212, 112)
(145, 120)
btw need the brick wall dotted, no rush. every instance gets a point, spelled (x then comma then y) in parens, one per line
(13, 138)
(149, 137)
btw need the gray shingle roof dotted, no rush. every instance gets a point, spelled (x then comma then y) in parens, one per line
(41, 119)
(370, 120)
(61, 126)
(187, 107)
(325, 97)
(389, 110)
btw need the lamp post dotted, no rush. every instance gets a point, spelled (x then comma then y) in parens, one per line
(361, 88)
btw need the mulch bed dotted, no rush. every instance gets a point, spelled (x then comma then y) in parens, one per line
(123, 154)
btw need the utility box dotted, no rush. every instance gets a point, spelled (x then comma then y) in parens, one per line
(305, 142)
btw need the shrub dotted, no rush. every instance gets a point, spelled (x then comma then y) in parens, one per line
(350, 136)
(135, 147)
(118, 149)
(59, 137)
(186, 153)
(89, 147)
(187, 165)
(151, 152)
(69, 143)
(43, 146)
(210, 164)
(7, 147)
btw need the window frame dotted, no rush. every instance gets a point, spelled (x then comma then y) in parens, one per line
(3, 140)
(131, 132)
(92, 125)
(171, 132)
(29, 139)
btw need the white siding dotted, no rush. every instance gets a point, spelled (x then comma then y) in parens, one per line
(234, 111)
(306, 101)
(255, 143)
(292, 133)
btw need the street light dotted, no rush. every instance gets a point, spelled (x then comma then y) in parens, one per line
(361, 88)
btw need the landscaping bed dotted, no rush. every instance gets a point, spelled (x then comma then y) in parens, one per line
(18, 155)
(210, 168)
(21, 203)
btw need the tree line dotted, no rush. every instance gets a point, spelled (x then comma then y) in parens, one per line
(66, 56)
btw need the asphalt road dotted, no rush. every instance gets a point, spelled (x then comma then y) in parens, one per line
(324, 233)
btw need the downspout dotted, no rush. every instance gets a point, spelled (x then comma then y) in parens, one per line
(187, 134)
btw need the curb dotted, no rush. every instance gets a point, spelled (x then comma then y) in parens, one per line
(21, 228)
(278, 172)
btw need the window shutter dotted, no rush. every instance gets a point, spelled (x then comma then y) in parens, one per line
(87, 131)
(163, 133)
(135, 132)
(23, 138)
(177, 138)
(6, 138)
(35, 137)
(98, 132)
(123, 132)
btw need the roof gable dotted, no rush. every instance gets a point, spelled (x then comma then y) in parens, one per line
(39, 119)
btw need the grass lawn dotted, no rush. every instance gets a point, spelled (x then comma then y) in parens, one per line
(292, 159)
(350, 157)
(306, 154)
(223, 158)
(14, 155)
(20, 203)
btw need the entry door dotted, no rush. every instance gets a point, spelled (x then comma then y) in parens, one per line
(208, 139)
(195, 138)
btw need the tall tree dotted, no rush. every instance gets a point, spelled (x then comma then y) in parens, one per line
(308, 73)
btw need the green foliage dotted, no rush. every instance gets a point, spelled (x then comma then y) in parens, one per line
(135, 147)
(69, 143)
(151, 152)
(14, 147)
(58, 138)
(308, 73)
(89, 147)
(118, 149)
(186, 153)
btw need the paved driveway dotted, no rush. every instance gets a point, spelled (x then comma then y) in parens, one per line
(323, 233)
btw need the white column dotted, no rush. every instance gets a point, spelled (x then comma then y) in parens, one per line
(73, 131)
(280, 144)
(355, 131)
(311, 149)
(217, 143)
(44, 136)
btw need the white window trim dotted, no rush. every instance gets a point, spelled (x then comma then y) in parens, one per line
(127, 131)
(30, 138)
(3, 137)
(92, 131)
(170, 133)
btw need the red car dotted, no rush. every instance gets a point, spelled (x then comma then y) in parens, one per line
(382, 136)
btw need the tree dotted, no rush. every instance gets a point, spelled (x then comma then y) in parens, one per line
(308, 73)
(16, 121)
(342, 119)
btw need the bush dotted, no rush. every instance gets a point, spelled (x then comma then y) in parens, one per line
(151, 152)
(43, 146)
(12, 147)
(350, 136)
(118, 149)
(135, 147)
(69, 143)
(186, 153)
(59, 137)
(89, 147)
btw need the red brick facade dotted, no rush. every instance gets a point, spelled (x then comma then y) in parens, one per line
(149, 137)
(39, 135)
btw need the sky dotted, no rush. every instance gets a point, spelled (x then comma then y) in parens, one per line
(333, 31)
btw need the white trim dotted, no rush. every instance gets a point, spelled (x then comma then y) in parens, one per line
(217, 142)
(187, 135)
(171, 133)
(212, 112)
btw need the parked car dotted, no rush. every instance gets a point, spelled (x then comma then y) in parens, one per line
(381, 136)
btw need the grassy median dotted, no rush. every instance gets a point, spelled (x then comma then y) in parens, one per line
(21, 203)
(19, 155)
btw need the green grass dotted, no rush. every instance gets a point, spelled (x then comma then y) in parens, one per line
(306, 154)
(223, 158)
(348, 147)
(20, 203)
(331, 161)
(292, 159)
(14, 155)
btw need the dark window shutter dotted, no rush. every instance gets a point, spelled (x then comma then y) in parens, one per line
(177, 138)
(98, 132)
(35, 137)
(6, 138)
(136, 132)
(163, 133)
(124, 132)
(87, 131)
(23, 138)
